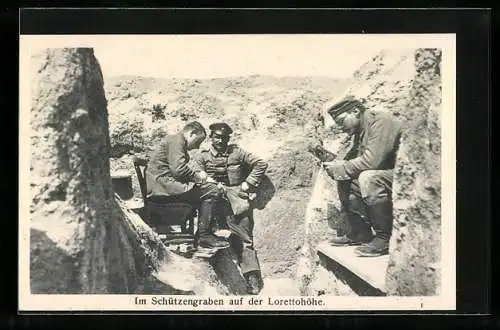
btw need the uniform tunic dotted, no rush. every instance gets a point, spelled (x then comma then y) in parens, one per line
(168, 172)
(233, 167)
(378, 143)
(368, 170)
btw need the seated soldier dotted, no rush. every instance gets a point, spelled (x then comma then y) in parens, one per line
(365, 176)
(169, 177)
(232, 166)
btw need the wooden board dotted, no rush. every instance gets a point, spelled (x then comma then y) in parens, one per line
(206, 253)
(134, 204)
(370, 269)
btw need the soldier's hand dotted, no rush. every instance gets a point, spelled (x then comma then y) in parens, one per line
(336, 170)
(245, 186)
(252, 196)
(326, 164)
(221, 188)
(200, 177)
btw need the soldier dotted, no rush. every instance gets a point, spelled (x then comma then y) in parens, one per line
(365, 175)
(233, 167)
(170, 178)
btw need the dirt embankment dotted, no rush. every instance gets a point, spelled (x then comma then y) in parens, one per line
(81, 240)
(415, 261)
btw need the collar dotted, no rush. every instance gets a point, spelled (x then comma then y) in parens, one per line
(181, 136)
(363, 125)
(217, 153)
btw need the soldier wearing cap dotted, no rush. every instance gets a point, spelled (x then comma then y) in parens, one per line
(365, 175)
(238, 169)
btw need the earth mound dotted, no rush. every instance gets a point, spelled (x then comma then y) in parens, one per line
(82, 239)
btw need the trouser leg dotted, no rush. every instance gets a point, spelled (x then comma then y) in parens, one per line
(159, 219)
(244, 248)
(204, 234)
(227, 220)
(343, 188)
(207, 195)
(353, 211)
(193, 196)
(241, 227)
(206, 217)
(376, 189)
(247, 256)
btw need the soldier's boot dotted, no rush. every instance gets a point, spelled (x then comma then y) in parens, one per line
(359, 232)
(254, 282)
(381, 217)
(204, 236)
(358, 229)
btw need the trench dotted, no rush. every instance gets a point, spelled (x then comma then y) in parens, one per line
(298, 270)
(289, 233)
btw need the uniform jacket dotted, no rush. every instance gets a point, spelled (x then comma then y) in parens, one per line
(231, 167)
(168, 172)
(375, 146)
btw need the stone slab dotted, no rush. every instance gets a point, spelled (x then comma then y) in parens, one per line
(371, 270)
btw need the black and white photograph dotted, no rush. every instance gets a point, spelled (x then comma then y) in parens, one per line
(254, 172)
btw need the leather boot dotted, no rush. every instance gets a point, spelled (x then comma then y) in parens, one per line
(381, 217)
(342, 225)
(359, 232)
(204, 236)
(254, 282)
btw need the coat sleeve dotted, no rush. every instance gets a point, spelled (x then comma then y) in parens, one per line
(198, 161)
(257, 167)
(178, 159)
(351, 154)
(379, 145)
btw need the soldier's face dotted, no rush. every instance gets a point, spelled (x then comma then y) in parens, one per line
(219, 142)
(348, 121)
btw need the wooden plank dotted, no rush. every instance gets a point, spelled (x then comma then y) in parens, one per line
(370, 269)
(120, 174)
(134, 204)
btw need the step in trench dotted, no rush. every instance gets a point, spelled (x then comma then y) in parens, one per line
(366, 276)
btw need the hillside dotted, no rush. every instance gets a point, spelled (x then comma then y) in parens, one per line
(257, 106)
(276, 118)
(273, 117)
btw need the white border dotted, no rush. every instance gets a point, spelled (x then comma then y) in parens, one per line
(445, 301)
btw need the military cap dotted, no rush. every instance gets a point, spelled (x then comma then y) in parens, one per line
(347, 103)
(221, 129)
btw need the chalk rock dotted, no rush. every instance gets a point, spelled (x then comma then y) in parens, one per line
(414, 266)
